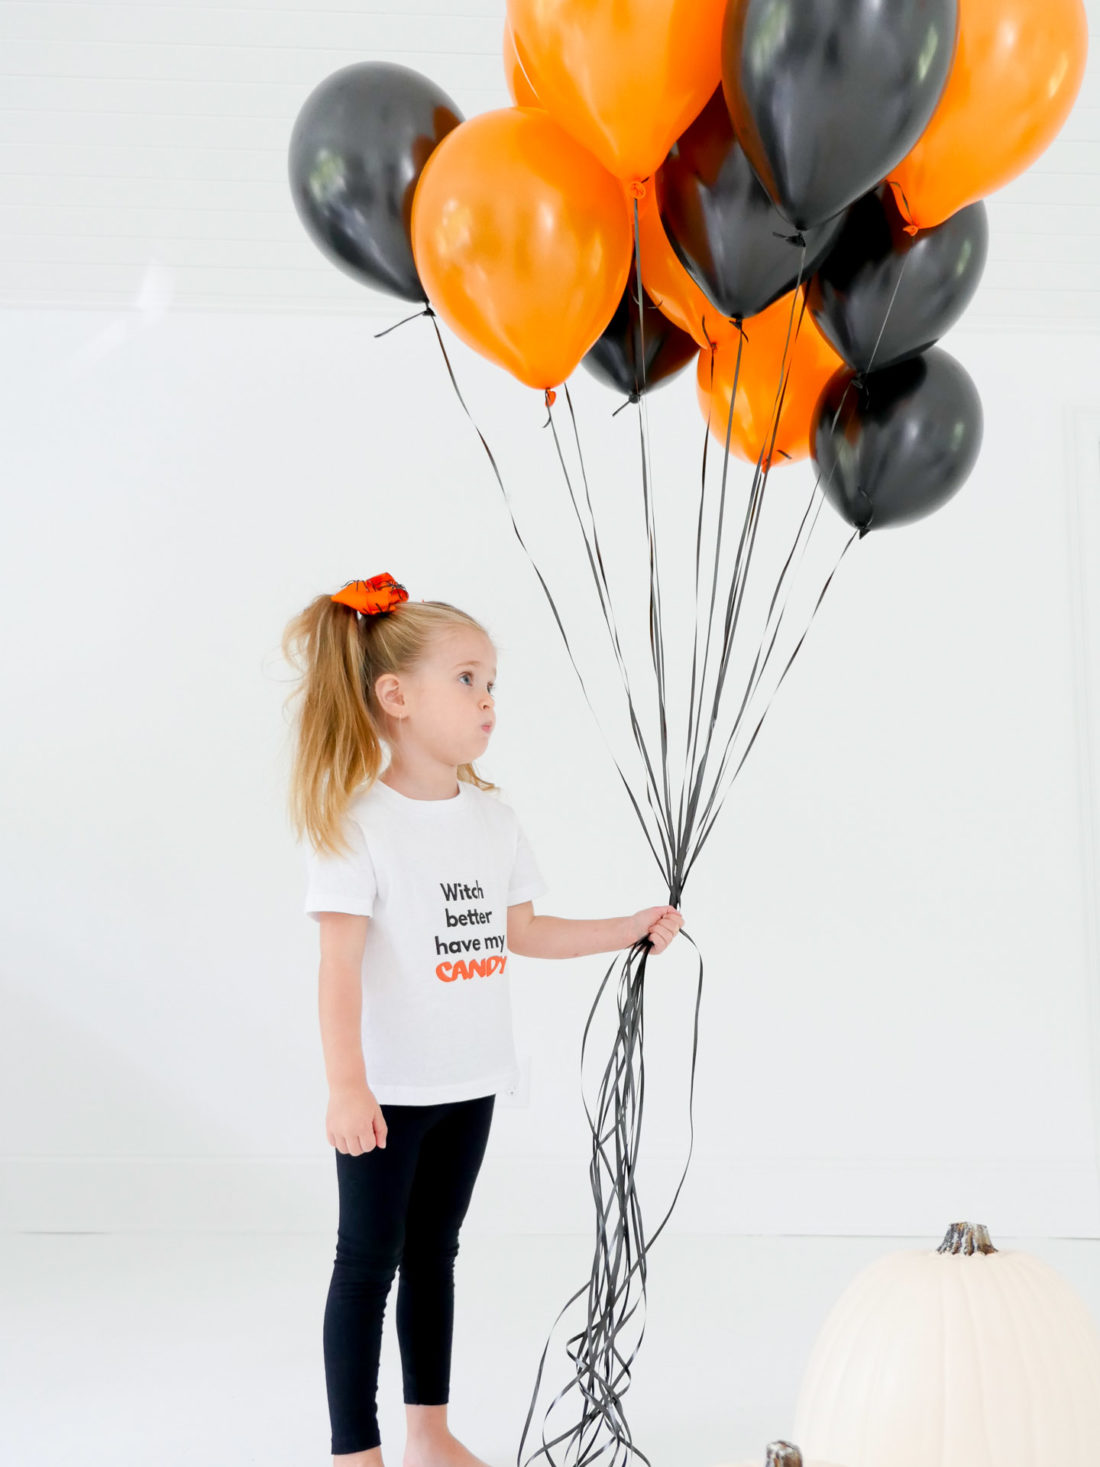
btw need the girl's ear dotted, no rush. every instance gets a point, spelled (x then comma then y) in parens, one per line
(388, 691)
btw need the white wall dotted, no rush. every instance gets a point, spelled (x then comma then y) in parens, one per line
(896, 910)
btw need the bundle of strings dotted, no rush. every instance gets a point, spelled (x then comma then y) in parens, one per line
(616, 1288)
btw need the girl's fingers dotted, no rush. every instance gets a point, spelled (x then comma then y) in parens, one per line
(665, 929)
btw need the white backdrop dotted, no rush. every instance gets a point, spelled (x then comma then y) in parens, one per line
(896, 911)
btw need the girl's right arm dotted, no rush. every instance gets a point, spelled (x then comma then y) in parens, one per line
(354, 1122)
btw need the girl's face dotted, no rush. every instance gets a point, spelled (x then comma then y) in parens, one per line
(445, 705)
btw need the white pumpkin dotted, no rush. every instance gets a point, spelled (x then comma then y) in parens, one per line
(961, 1356)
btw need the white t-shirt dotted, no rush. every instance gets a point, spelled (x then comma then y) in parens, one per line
(436, 879)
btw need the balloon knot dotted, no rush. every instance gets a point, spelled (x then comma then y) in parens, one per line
(868, 514)
(903, 207)
(637, 188)
(551, 397)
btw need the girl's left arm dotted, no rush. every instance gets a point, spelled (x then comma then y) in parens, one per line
(568, 937)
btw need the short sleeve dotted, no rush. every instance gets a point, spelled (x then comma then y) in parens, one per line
(341, 883)
(526, 880)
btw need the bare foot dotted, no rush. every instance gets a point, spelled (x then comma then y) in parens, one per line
(440, 1451)
(372, 1457)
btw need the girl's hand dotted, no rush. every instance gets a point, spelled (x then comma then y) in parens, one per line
(659, 924)
(354, 1122)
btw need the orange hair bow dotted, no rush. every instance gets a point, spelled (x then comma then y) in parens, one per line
(380, 593)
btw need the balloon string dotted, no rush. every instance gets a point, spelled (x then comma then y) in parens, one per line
(731, 595)
(662, 697)
(542, 581)
(856, 379)
(692, 724)
(754, 681)
(759, 666)
(627, 1025)
(695, 715)
(427, 311)
(695, 614)
(609, 618)
(886, 313)
(760, 663)
(707, 829)
(593, 1349)
(656, 633)
(753, 519)
(745, 547)
(595, 562)
(785, 376)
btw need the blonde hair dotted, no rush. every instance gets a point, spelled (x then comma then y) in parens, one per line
(338, 725)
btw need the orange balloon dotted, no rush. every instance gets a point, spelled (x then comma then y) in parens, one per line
(520, 89)
(1017, 69)
(625, 77)
(812, 362)
(521, 241)
(667, 282)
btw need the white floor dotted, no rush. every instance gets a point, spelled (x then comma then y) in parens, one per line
(205, 1350)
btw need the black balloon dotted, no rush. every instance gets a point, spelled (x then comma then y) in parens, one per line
(828, 95)
(614, 357)
(357, 150)
(731, 239)
(881, 295)
(903, 441)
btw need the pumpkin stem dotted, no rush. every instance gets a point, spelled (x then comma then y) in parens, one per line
(783, 1454)
(964, 1237)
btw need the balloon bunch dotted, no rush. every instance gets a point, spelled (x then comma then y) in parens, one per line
(833, 154)
(792, 197)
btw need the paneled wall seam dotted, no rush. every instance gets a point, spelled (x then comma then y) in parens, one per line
(1082, 522)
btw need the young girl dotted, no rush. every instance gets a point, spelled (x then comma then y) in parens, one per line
(422, 881)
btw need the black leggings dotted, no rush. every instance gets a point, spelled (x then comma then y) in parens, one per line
(401, 1204)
